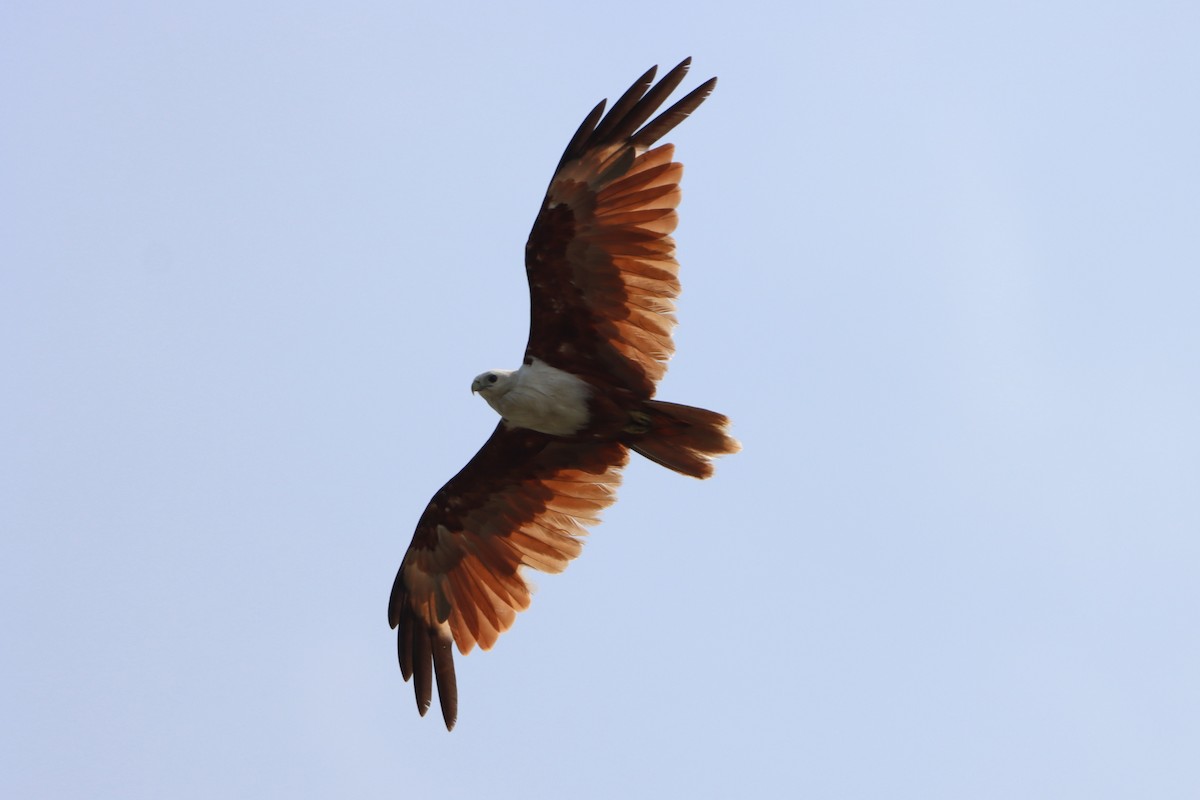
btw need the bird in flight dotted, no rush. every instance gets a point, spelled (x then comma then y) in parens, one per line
(603, 280)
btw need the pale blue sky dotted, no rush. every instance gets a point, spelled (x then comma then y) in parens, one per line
(940, 266)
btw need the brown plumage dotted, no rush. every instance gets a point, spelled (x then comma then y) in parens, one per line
(603, 279)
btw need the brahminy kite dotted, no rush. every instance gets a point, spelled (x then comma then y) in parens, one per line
(603, 280)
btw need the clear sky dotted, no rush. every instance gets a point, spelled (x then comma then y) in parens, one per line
(940, 265)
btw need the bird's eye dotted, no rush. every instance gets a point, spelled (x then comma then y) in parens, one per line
(491, 378)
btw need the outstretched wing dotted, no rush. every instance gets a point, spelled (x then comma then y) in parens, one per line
(600, 260)
(522, 501)
(602, 280)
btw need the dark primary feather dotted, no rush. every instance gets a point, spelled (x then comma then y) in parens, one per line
(620, 109)
(641, 111)
(674, 115)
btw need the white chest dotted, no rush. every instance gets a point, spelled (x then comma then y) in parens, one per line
(545, 399)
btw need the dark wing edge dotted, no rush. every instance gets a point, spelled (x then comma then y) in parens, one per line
(600, 259)
(523, 501)
(623, 125)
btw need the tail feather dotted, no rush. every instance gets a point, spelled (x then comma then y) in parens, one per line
(684, 438)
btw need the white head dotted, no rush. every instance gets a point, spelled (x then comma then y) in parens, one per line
(492, 386)
(493, 383)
